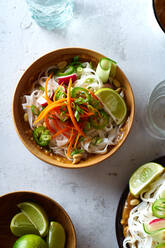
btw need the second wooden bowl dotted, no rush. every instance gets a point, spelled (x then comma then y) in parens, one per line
(8, 208)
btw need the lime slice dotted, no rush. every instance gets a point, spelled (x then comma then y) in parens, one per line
(56, 235)
(21, 225)
(30, 241)
(36, 216)
(113, 104)
(143, 176)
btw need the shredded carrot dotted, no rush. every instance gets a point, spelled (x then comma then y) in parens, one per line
(49, 108)
(60, 132)
(54, 119)
(87, 140)
(70, 146)
(77, 138)
(69, 138)
(46, 90)
(86, 115)
(96, 110)
(94, 96)
(48, 124)
(84, 108)
(70, 110)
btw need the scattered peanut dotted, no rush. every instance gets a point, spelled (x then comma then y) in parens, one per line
(116, 83)
(62, 64)
(122, 221)
(26, 117)
(134, 202)
(118, 90)
(58, 159)
(111, 80)
(77, 158)
(125, 230)
(44, 124)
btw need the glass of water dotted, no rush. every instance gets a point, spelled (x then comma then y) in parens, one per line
(51, 14)
(155, 112)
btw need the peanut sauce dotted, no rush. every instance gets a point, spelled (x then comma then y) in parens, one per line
(126, 211)
(160, 11)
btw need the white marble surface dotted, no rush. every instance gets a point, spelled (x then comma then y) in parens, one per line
(123, 30)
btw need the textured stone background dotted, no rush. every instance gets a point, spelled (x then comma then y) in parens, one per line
(123, 30)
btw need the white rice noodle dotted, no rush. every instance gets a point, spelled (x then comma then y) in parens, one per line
(141, 214)
(89, 73)
(110, 134)
(107, 139)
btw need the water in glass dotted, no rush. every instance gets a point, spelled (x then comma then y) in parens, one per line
(155, 112)
(51, 14)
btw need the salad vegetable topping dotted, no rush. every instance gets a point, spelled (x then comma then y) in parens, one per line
(71, 110)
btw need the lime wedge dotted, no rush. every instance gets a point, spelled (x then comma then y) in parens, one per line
(36, 216)
(30, 241)
(143, 176)
(113, 104)
(21, 225)
(56, 235)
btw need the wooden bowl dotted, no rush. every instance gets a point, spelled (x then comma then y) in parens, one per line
(159, 12)
(8, 208)
(24, 87)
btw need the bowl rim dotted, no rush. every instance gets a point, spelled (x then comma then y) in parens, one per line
(50, 199)
(121, 202)
(154, 9)
(62, 164)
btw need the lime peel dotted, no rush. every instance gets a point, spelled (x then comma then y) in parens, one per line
(113, 103)
(143, 176)
(30, 241)
(36, 215)
(21, 225)
(56, 235)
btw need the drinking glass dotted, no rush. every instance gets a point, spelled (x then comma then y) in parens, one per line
(51, 14)
(155, 112)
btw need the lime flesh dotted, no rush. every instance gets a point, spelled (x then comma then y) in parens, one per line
(36, 216)
(56, 235)
(113, 103)
(20, 225)
(143, 176)
(30, 241)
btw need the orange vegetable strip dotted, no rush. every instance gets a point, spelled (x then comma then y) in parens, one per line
(94, 96)
(70, 110)
(77, 138)
(60, 132)
(46, 90)
(70, 146)
(87, 140)
(69, 138)
(86, 115)
(48, 124)
(58, 127)
(94, 109)
(49, 108)
(84, 108)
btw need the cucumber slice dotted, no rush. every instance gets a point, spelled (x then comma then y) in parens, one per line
(103, 69)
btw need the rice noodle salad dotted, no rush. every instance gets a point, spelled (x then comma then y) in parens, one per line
(146, 222)
(67, 113)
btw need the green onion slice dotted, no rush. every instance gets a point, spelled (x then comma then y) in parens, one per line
(158, 208)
